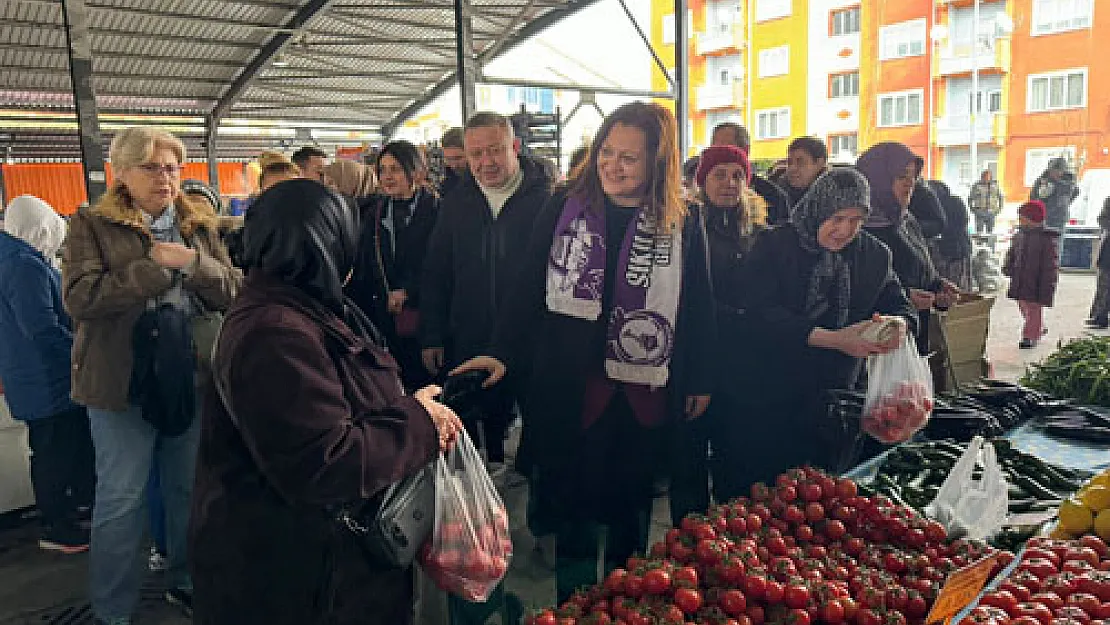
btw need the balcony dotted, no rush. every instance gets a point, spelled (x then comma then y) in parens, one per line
(956, 130)
(710, 97)
(716, 41)
(963, 58)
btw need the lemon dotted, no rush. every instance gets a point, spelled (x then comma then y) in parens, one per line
(1097, 498)
(1102, 479)
(1075, 517)
(1102, 525)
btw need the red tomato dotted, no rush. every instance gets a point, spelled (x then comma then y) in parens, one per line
(804, 533)
(633, 586)
(733, 602)
(1095, 582)
(1077, 567)
(1062, 584)
(757, 615)
(1025, 620)
(547, 617)
(1072, 612)
(812, 492)
(1096, 543)
(773, 593)
(845, 488)
(831, 612)
(1065, 621)
(1021, 593)
(814, 511)
(1050, 599)
(657, 582)
(1085, 601)
(1103, 611)
(755, 585)
(786, 493)
(1085, 554)
(688, 600)
(1002, 599)
(868, 616)
(687, 576)
(916, 606)
(796, 596)
(1041, 552)
(935, 532)
(797, 617)
(738, 525)
(1036, 610)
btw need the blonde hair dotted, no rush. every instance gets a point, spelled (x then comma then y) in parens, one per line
(135, 146)
(351, 177)
(272, 163)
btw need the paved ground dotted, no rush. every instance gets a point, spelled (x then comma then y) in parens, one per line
(40, 588)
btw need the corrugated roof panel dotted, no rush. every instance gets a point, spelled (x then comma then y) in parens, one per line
(135, 24)
(159, 67)
(31, 12)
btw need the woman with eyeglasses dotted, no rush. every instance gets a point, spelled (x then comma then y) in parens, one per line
(142, 248)
(893, 170)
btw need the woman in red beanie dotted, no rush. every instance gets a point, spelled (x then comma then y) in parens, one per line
(1032, 265)
(734, 216)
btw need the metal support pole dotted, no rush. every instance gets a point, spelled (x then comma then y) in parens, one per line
(212, 126)
(79, 44)
(682, 74)
(467, 64)
(975, 100)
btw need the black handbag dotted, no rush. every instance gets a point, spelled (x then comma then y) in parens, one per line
(391, 526)
(163, 370)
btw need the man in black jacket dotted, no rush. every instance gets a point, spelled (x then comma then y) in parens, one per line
(778, 203)
(476, 248)
(806, 159)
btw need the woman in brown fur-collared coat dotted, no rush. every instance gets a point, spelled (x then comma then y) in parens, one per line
(142, 245)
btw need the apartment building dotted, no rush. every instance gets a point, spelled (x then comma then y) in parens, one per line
(833, 106)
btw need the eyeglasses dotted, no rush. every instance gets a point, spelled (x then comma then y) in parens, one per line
(154, 169)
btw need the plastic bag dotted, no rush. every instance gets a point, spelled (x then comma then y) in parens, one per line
(899, 394)
(971, 507)
(470, 548)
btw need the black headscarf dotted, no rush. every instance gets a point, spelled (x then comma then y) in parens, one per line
(306, 235)
(839, 188)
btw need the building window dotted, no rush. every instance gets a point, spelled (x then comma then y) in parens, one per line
(1056, 16)
(901, 109)
(987, 102)
(774, 61)
(667, 20)
(842, 148)
(844, 85)
(1058, 90)
(773, 123)
(902, 40)
(844, 22)
(720, 17)
(772, 9)
(1036, 160)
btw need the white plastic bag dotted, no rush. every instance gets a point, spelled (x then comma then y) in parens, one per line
(971, 507)
(470, 548)
(899, 394)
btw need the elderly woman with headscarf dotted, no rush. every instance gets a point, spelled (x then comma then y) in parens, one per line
(312, 414)
(36, 338)
(893, 170)
(812, 287)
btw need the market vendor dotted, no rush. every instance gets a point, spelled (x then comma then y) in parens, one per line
(812, 287)
(613, 309)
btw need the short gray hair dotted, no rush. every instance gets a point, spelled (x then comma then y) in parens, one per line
(489, 119)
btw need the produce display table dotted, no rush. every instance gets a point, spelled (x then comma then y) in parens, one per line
(1071, 454)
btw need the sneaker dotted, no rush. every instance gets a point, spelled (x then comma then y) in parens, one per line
(157, 562)
(65, 541)
(1027, 344)
(181, 599)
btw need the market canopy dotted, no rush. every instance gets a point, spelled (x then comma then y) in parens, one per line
(341, 64)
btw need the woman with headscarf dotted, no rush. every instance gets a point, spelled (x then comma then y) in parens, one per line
(893, 170)
(734, 216)
(313, 414)
(143, 251)
(275, 167)
(811, 287)
(396, 227)
(351, 178)
(36, 339)
(613, 314)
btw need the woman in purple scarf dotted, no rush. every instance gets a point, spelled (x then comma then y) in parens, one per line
(613, 324)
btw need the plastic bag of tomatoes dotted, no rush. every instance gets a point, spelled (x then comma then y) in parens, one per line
(470, 548)
(899, 394)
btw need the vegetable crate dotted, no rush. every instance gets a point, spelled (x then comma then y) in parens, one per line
(963, 354)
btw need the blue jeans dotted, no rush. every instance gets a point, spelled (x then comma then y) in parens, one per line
(126, 445)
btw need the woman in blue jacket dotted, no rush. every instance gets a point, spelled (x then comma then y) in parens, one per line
(35, 341)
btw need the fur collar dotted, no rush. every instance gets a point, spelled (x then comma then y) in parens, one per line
(115, 206)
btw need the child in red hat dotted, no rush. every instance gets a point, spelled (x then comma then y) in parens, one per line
(1032, 265)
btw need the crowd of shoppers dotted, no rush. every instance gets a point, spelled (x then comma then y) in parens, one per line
(639, 317)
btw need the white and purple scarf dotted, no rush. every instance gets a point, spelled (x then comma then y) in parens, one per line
(640, 338)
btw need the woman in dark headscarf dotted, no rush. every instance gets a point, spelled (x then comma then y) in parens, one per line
(812, 286)
(314, 415)
(892, 170)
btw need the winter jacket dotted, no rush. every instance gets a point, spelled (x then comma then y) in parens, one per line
(955, 242)
(472, 260)
(320, 419)
(560, 351)
(909, 254)
(985, 198)
(108, 276)
(36, 334)
(1032, 263)
(1057, 196)
(729, 251)
(926, 208)
(388, 261)
(778, 203)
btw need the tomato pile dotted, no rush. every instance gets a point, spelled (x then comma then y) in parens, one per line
(809, 549)
(896, 415)
(469, 559)
(1057, 582)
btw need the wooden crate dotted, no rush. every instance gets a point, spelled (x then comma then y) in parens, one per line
(966, 325)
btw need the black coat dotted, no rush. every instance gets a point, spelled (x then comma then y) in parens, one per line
(955, 242)
(561, 352)
(926, 208)
(910, 253)
(473, 259)
(728, 253)
(386, 263)
(778, 203)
